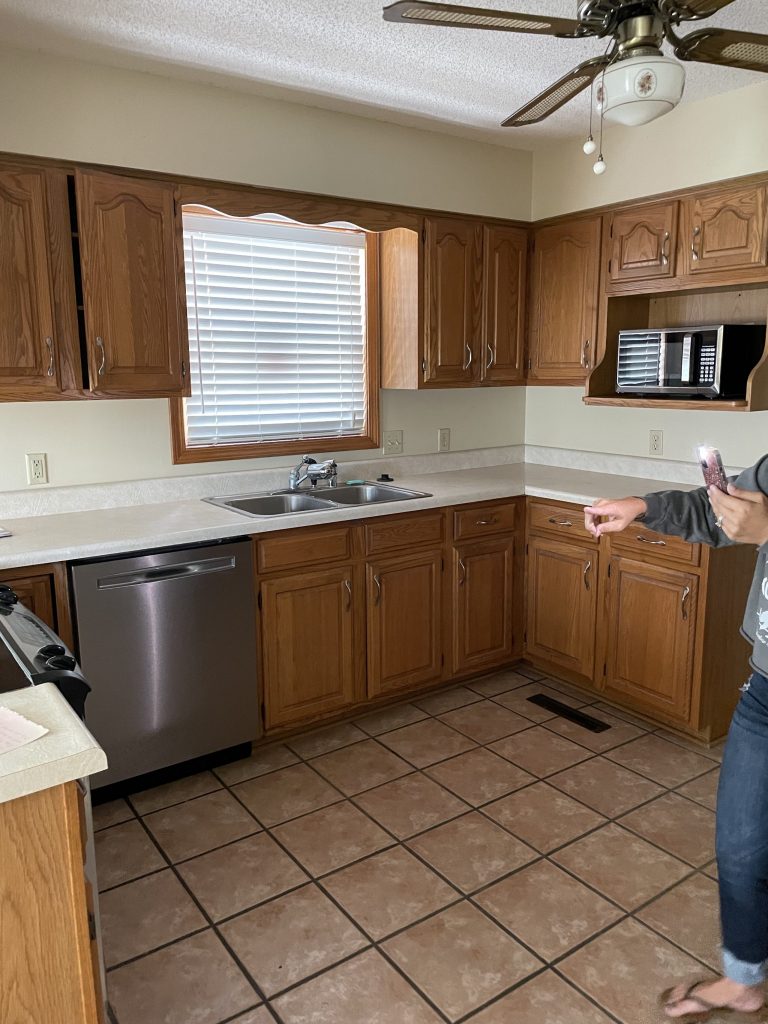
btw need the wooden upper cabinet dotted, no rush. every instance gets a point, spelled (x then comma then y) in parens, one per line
(28, 335)
(726, 230)
(453, 299)
(130, 249)
(565, 273)
(642, 243)
(505, 254)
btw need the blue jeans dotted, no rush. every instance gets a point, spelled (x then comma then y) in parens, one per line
(742, 838)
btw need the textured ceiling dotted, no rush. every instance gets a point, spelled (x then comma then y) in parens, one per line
(342, 55)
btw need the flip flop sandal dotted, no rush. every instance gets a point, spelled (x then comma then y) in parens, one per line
(694, 1016)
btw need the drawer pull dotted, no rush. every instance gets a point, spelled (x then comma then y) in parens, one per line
(348, 587)
(377, 581)
(684, 602)
(463, 568)
(559, 522)
(653, 543)
(491, 521)
(587, 568)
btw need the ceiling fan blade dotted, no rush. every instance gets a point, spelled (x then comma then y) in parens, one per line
(558, 94)
(735, 49)
(425, 13)
(688, 9)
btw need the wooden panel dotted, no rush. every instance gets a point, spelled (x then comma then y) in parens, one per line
(652, 619)
(562, 608)
(643, 243)
(505, 255)
(403, 531)
(302, 614)
(637, 542)
(566, 521)
(34, 591)
(129, 245)
(307, 546)
(483, 596)
(46, 971)
(484, 520)
(726, 230)
(564, 293)
(402, 345)
(404, 622)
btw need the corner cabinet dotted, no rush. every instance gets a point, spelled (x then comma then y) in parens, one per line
(725, 231)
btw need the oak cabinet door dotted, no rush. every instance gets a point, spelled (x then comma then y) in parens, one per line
(562, 605)
(308, 630)
(453, 269)
(34, 592)
(483, 596)
(643, 243)
(564, 292)
(130, 244)
(28, 363)
(404, 622)
(651, 631)
(726, 231)
(505, 255)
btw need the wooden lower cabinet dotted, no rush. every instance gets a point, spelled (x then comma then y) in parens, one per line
(483, 613)
(404, 622)
(44, 590)
(310, 642)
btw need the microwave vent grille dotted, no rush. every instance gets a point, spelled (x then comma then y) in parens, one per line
(639, 359)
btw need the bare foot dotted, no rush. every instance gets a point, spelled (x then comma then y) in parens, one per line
(721, 993)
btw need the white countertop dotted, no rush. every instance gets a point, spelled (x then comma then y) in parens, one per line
(93, 534)
(66, 752)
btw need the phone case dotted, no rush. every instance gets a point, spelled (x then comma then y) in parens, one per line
(712, 468)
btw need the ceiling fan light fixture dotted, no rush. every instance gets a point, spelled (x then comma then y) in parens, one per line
(637, 90)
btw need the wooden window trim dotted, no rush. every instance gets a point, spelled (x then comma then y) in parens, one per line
(370, 437)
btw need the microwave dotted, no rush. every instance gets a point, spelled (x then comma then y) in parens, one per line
(706, 362)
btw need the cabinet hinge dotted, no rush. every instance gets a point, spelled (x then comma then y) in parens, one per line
(609, 571)
(605, 668)
(442, 565)
(442, 660)
(263, 711)
(424, 234)
(91, 926)
(258, 600)
(610, 233)
(610, 266)
(526, 549)
(525, 637)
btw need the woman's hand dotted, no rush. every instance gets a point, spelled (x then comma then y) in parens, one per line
(741, 515)
(605, 516)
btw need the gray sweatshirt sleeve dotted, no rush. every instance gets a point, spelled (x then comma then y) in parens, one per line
(689, 515)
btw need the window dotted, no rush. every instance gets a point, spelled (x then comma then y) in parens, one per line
(282, 349)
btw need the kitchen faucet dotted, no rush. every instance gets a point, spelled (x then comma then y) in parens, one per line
(313, 472)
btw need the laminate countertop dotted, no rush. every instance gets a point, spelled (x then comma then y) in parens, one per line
(98, 533)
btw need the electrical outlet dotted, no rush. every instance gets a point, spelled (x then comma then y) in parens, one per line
(444, 439)
(392, 442)
(656, 442)
(37, 468)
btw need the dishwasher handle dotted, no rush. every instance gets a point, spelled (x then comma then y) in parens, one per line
(158, 573)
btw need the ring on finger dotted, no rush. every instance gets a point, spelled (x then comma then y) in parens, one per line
(719, 522)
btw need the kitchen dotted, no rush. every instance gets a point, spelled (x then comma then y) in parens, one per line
(384, 652)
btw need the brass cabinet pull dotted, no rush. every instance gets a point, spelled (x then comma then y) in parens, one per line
(585, 354)
(587, 568)
(377, 581)
(654, 543)
(463, 577)
(559, 522)
(348, 587)
(684, 602)
(49, 345)
(100, 344)
(491, 357)
(665, 250)
(468, 355)
(491, 521)
(694, 250)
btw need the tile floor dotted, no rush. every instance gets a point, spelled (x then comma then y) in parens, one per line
(464, 856)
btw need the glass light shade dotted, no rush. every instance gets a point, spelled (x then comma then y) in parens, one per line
(640, 89)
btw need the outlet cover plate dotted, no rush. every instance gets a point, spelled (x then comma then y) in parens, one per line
(656, 442)
(444, 439)
(37, 468)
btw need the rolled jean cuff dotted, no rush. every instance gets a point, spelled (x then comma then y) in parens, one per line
(742, 973)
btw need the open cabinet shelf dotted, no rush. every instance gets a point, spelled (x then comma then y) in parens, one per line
(743, 305)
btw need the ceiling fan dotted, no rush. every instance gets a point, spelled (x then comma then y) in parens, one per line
(639, 83)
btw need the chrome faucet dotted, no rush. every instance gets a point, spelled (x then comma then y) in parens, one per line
(312, 470)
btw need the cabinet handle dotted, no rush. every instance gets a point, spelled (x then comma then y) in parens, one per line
(684, 602)
(424, 365)
(49, 344)
(491, 521)
(654, 543)
(377, 581)
(463, 577)
(100, 344)
(585, 355)
(559, 522)
(665, 250)
(694, 250)
(491, 357)
(468, 356)
(348, 587)
(587, 568)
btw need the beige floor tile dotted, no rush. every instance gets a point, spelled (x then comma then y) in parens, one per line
(112, 813)
(479, 776)
(624, 715)
(605, 786)
(703, 790)
(388, 719)
(262, 761)
(258, 1016)
(331, 838)
(546, 999)
(389, 891)
(713, 752)
(440, 701)
(627, 968)
(365, 990)
(689, 916)
(460, 959)
(154, 799)
(145, 914)
(711, 870)
(500, 682)
(581, 695)
(321, 741)
(677, 825)
(361, 766)
(547, 909)
(543, 816)
(290, 938)
(485, 722)
(286, 794)
(540, 751)
(427, 742)
(410, 805)
(194, 981)
(241, 875)
(517, 701)
(599, 742)
(664, 762)
(530, 672)
(124, 852)
(622, 866)
(472, 851)
(199, 825)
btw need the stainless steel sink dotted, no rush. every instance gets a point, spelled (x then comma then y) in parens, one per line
(368, 494)
(271, 504)
(283, 503)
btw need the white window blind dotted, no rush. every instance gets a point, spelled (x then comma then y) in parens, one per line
(276, 328)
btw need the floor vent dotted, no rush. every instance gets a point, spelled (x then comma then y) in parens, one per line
(586, 721)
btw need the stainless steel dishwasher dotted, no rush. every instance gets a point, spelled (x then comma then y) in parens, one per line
(168, 643)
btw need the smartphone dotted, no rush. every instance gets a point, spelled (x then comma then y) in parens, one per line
(712, 467)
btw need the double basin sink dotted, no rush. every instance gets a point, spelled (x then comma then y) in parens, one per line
(283, 503)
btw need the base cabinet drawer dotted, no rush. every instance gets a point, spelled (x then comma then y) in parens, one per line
(564, 521)
(403, 532)
(640, 543)
(485, 520)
